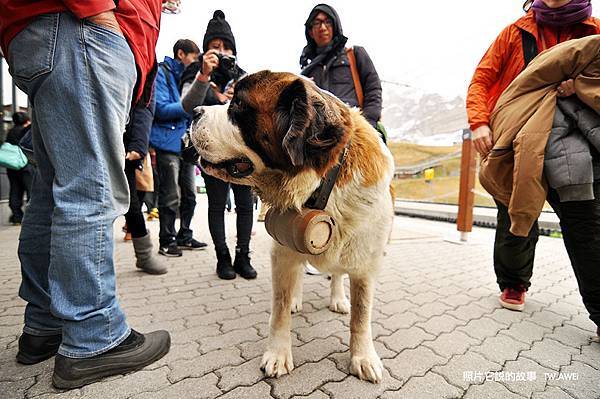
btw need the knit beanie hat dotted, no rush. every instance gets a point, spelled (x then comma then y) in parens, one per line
(218, 28)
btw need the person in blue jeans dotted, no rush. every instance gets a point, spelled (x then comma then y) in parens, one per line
(77, 63)
(177, 177)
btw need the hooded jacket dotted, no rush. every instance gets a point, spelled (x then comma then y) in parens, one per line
(330, 67)
(170, 118)
(522, 121)
(504, 60)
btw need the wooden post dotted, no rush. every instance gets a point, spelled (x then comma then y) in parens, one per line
(466, 197)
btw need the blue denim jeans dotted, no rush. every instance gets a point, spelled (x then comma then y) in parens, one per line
(79, 78)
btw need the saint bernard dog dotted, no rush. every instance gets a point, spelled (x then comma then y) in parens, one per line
(281, 134)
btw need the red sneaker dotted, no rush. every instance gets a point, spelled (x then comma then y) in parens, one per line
(513, 298)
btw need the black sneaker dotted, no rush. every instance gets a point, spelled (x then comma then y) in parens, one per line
(34, 348)
(171, 250)
(136, 352)
(191, 244)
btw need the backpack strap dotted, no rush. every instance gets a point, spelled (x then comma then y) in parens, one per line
(355, 76)
(166, 72)
(530, 48)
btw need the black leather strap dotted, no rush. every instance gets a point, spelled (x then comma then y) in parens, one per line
(530, 49)
(318, 199)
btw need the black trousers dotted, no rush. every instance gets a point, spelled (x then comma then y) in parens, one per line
(176, 190)
(580, 225)
(134, 217)
(20, 183)
(513, 255)
(217, 190)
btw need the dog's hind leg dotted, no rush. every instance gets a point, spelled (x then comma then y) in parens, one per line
(297, 291)
(338, 302)
(286, 267)
(364, 362)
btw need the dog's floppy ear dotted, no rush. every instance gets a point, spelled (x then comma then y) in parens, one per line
(312, 125)
(294, 115)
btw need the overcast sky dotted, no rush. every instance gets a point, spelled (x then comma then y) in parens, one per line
(432, 45)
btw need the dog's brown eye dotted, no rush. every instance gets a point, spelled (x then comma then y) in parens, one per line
(239, 169)
(242, 166)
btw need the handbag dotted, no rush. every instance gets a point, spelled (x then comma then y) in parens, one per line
(12, 157)
(144, 179)
(359, 91)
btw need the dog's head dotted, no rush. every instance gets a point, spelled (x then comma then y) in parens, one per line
(276, 122)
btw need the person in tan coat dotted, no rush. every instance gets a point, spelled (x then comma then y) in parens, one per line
(545, 24)
(513, 172)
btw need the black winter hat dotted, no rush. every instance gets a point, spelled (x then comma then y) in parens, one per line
(218, 28)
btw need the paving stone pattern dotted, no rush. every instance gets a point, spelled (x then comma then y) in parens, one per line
(439, 329)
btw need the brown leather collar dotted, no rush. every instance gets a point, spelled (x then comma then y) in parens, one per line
(319, 198)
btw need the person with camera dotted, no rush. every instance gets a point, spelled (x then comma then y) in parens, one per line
(219, 61)
(177, 177)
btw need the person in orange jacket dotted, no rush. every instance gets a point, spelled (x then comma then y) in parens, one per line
(546, 23)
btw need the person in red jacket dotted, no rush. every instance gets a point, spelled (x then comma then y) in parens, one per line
(81, 63)
(547, 23)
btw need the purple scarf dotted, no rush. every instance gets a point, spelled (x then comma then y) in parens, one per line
(574, 12)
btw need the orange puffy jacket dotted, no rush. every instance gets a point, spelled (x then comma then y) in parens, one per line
(504, 60)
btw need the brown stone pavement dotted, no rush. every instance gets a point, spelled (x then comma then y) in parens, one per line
(438, 327)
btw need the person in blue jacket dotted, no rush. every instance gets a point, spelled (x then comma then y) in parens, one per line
(171, 120)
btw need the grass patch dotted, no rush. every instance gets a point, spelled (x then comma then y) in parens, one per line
(443, 190)
(406, 154)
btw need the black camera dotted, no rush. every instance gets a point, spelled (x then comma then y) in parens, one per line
(226, 62)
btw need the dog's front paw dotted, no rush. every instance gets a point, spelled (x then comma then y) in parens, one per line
(367, 367)
(339, 305)
(296, 305)
(276, 363)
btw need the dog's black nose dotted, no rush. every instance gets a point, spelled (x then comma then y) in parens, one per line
(198, 112)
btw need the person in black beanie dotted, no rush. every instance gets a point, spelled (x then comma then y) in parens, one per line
(218, 42)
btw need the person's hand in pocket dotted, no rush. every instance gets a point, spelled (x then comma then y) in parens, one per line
(108, 20)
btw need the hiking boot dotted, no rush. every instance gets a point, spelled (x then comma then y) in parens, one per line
(136, 352)
(191, 244)
(171, 250)
(144, 259)
(242, 265)
(224, 268)
(513, 298)
(35, 348)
